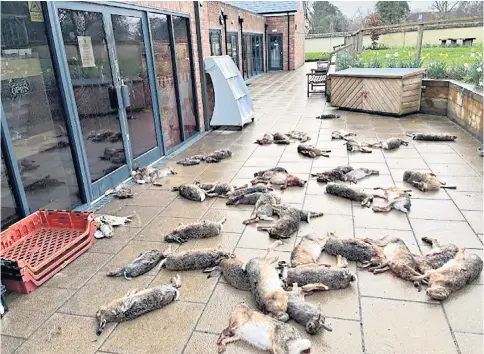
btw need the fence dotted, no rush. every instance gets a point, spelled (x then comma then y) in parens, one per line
(414, 34)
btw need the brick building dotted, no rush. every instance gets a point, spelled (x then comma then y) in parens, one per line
(91, 91)
(285, 29)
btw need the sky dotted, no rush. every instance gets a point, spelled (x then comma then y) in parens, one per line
(349, 8)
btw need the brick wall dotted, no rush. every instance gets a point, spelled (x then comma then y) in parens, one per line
(253, 23)
(456, 101)
(299, 36)
(464, 107)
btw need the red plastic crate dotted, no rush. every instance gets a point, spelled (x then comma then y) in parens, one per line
(40, 245)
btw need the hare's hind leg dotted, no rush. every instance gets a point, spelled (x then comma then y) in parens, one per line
(385, 208)
(227, 336)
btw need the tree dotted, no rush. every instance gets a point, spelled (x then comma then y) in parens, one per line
(444, 8)
(308, 14)
(374, 20)
(327, 18)
(392, 12)
(358, 20)
(470, 8)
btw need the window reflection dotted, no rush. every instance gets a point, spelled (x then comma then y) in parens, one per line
(34, 111)
(130, 51)
(184, 62)
(165, 81)
(215, 40)
(87, 57)
(232, 47)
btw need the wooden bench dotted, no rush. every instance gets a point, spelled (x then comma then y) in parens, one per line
(467, 42)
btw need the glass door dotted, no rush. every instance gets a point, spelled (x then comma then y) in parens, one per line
(33, 115)
(257, 53)
(275, 51)
(106, 53)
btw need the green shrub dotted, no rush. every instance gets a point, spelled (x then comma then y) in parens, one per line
(475, 72)
(437, 70)
(411, 62)
(347, 61)
(392, 62)
(457, 72)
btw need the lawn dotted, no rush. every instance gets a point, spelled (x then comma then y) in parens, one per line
(315, 56)
(451, 56)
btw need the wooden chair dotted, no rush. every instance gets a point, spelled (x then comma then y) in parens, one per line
(315, 78)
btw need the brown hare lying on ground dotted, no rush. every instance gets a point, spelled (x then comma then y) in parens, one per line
(333, 175)
(263, 332)
(200, 258)
(191, 192)
(344, 191)
(355, 175)
(231, 269)
(397, 198)
(265, 285)
(305, 313)
(452, 276)
(432, 137)
(136, 303)
(389, 144)
(308, 250)
(424, 181)
(196, 230)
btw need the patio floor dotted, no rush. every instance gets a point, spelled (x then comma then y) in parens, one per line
(377, 314)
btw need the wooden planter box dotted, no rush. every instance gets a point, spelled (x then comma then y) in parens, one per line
(387, 90)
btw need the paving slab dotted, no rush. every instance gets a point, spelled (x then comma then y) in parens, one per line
(377, 314)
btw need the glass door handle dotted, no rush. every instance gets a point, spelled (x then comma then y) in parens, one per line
(125, 96)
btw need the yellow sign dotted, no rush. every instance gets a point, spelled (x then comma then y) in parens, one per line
(35, 11)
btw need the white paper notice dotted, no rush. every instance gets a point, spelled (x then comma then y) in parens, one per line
(87, 54)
